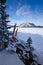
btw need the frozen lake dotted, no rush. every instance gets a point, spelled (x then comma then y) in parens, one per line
(31, 30)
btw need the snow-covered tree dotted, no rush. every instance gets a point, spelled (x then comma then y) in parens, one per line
(29, 41)
(31, 60)
(4, 33)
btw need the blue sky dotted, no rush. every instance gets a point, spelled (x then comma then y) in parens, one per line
(25, 11)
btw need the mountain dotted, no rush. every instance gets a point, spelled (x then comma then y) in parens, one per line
(25, 24)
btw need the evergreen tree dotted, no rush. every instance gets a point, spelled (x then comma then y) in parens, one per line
(31, 60)
(4, 33)
(29, 41)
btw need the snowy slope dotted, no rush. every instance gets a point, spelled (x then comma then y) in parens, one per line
(35, 33)
(37, 37)
(8, 58)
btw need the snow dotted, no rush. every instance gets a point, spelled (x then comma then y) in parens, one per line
(11, 48)
(37, 37)
(9, 58)
(35, 33)
(23, 34)
(31, 30)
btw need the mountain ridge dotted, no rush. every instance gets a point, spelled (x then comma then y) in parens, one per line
(25, 24)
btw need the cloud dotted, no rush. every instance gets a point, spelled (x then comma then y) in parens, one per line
(23, 10)
(27, 16)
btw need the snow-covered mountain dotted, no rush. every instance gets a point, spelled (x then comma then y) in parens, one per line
(25, 24)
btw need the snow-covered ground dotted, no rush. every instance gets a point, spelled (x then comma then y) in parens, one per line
(35, 33)
(8, 58)
(23, 33)
(37, 37)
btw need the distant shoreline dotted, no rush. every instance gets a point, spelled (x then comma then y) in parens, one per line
(27, 27)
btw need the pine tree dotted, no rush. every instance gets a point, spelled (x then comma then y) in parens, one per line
(4, 33)
(29, 41)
